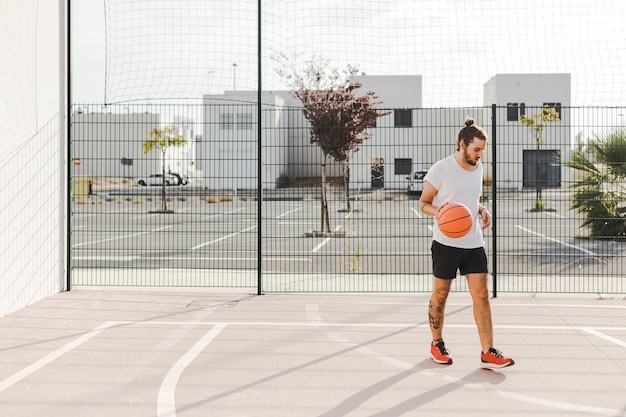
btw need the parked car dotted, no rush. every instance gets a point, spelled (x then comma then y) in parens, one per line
(180, 178)
(416, 182)
(157, 179)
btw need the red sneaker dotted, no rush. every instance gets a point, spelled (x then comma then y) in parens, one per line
(494, 359)
(440, 354)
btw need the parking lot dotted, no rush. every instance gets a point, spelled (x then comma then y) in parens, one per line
(385, 235)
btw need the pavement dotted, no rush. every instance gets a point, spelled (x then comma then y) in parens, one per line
(233, 353)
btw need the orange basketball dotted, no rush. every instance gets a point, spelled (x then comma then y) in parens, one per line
(454, 220)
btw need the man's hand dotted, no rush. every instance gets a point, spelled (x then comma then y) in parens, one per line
(486, 217)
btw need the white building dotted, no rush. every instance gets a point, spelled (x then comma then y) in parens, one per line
(229, 158)
(518, 94)
(110, 144)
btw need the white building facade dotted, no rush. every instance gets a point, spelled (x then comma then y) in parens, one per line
(110, 144)
(517, 151)
(229, 157)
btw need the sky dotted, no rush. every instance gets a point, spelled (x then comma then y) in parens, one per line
(156, 50)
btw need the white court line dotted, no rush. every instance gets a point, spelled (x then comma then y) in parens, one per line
(325, 241)
(604, 336)
(312, 313)
(557, 241)
(18, 376)
(288, 212)
(166, 400)
(417, 213)
(373, 325)
(222, 238)
(121, 237)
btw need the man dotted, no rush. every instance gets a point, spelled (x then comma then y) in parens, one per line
(458, 178)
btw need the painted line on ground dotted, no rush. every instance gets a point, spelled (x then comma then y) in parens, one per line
(222, 214)
(417, 213)
(606, 337)
(18, 376)
(166, 400)
(325, 241)
(555, 215)
(373, 325)
(288, 212)
(222, 238)
(121, 237)
(312, 313)
(588, 252)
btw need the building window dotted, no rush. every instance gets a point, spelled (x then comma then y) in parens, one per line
(555, 106)
(244, 121)
(514, 111)
(226, 121)
(239, 121)
(403, 118)
(403, 166)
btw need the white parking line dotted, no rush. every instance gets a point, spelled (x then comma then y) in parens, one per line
(588, 252)
(556, 215)
(325, 241)
(222, 238)
(288, 212)
(417, 213)
(121, 237)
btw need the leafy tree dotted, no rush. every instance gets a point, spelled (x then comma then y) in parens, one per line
(601, 194)
(537, 123)
(339, 118)
(163, 139)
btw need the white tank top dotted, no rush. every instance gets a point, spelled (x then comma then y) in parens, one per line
(456, 185)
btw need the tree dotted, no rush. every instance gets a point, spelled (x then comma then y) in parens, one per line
(537, 123)
(339, 118)
(600, 195)
(163, 139)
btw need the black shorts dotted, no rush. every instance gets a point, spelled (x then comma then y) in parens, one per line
(447, 260)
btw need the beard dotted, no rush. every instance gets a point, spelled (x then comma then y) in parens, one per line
(472, 162)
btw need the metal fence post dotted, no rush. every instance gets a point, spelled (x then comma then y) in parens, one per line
(494, 206)
(259, 160)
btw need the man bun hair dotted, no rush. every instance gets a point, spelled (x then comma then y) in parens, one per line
(469, 132)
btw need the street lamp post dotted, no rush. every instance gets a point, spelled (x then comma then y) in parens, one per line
(234, 76)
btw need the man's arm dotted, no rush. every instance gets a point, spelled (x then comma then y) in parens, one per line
(426, 200)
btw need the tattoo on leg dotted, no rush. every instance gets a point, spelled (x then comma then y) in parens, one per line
(434, 315)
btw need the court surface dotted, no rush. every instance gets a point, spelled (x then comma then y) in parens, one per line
(141, 353)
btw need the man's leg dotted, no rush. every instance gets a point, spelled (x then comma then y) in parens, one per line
(490, 357)
(436, 310)
(437, 306)
(477, 284)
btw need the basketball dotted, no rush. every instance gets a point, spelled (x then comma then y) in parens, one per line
(454, 220)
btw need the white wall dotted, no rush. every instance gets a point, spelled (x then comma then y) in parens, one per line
(228, 154)
(101, 140)
(32, 190)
